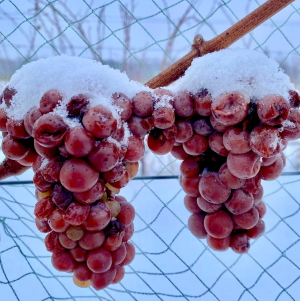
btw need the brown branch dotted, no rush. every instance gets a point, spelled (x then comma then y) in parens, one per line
(10, 168)
(222, 41)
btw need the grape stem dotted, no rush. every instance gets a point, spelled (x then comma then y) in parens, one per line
(10, 168)
(222, 41)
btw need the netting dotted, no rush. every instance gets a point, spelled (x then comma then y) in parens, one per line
(142, 38)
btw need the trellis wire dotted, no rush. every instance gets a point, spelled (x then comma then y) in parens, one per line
(170, 263)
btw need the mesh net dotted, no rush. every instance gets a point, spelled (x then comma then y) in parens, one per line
(142, 38)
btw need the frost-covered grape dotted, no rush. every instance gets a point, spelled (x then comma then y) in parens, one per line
(196, 225)
(130, 253)
(142, 104)
(236, 140)
(135, 149)
(227, 178)
(45, 152)
(49, 130)
(98, 217)
(51, 170)
(52, 243)
(273, 171)
(171, 132)
(218, 244)
(159, 144)
(266, 141)
(102, 280)
(30, 118)
(202, 103)
(189, 167)
(248, 219)
(57, 222)
(99, 121)
(76, 214)
(124, 103)
(196, 145)
(91, 195)
(184, 131)
(239, 202)
(92, 240)
(216, 144)
(206, 206)
(291, 129)
(61, 197)
(163, 117)
(230, 108)
(273, 109)
(8, 94)
(49, 101)
(240, 243)
(218, 225)
(203, 127)
(79, 142)
(42, 226)
(79, 254)
(78, 176)
(16, 129)
(123, 181)
(190, 185)
(14, 149)
(218, 126)
(212, 189)
(63, 262)
(136, 126)
(77, 106)
(3, 120)
(43, 208)
(261, 208)
(120, 273)
(127, 213)
(179, 153)
(183, 104)
(191, 205)
(99, 261)
(257, 230)
(257, 197)
(244, 166)
(40, 183)
(104, 156)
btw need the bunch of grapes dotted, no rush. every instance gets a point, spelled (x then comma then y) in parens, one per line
(78, 171)
(228, 145)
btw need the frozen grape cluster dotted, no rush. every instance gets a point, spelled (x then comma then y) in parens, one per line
(81, 126)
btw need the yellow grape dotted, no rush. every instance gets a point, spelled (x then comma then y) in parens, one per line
(81, 283)
(75, 233)
(115, 208)
(113, 189)
(42, 195)
(132, 168)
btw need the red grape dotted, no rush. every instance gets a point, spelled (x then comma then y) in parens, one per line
(8, 94)
(159, 144)
(79, 142)
(56, 221)
(79, 254)
(218, 244)
(135, 149)
(102, 280)
(142, 104)
(45, 152)
(99, 260)
(51, 170)
(49, 130)
(163, 117)
(257, 230)
(14, 149)
(42, 226)
(119, 254)
(230, 108)
(63, 262)
(128, 232)
(30, 118)
(82, 272)
(240, 243)
(273, 171)
(239, 202)
(191, 205)
(43, 208)
(179, 153)
(244, 166)
(78, 176)
(190, 185)
(92, 195)
(66, 242)
(77, 106)
(119, 274)
(189, 167)
(52, 243)
(206, 206)
(228, 179)
(136, 126)
(196, 145)
(291, 130)
(203, 102)
(76, 214)
(49, 101)
(212, 189)
(261, 208)
(196, 225)
(246, 220)
(183, 104)
(130, 253)
(92, 240)
(3, 120)
(112, 243)
(29, 159)
(124, 103)
(216, 144)
(61, 197)
(99, 121)
(16, 129)
(273, 109)
(219, 224)
(236, 140)
(184, 131)
(203, 127)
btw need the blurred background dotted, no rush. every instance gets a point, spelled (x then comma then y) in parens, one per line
(142, 38)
